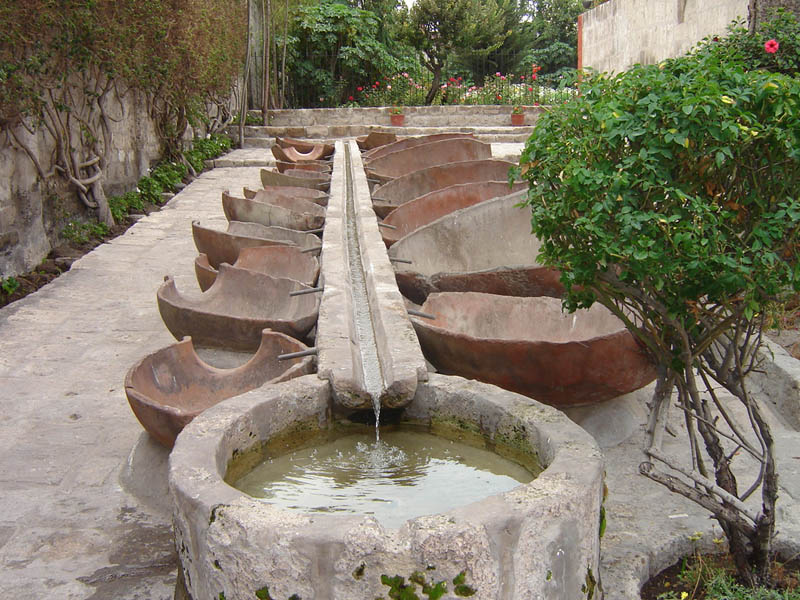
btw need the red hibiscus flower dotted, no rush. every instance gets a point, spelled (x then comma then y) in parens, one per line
(771, 46)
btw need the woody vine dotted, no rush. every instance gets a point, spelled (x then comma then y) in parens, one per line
(65, 68)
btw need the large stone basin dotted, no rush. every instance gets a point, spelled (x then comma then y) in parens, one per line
(391, 195)
(487, 247)
(234, 310)
(412, 215)
(529, 346)
(539, 540)
(169, 388)
(276, 261)
(410, 142)
(265, 194)
(224, 246)
(402, 162)
(292, 213)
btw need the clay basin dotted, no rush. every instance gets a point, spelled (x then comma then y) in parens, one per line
(291, 213)
(398, 191)
(273, 178)
(305, 149)
(170, 387)
(402, 162)
(375, 139)
(234, 310)
(527, 345)
(313, 166)
(276, 261)
(487, 247)
(224, 246)
(414, 214)
(268, 192)
(292, 155)
(410, 142)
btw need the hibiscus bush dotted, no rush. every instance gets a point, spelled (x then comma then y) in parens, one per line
(669, 193)
(774, 46)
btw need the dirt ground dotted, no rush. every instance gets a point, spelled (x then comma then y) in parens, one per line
(61, 258)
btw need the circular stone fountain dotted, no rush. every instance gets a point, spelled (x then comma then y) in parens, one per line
(539, 540)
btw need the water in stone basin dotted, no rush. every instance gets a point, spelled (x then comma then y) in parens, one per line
(407, 475)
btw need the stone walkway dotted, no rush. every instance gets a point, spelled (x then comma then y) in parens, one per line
(84, 511)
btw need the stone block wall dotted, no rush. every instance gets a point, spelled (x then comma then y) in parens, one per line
(620, 33)
(33, 211)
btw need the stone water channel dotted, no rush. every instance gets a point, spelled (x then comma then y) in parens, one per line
(538, 540)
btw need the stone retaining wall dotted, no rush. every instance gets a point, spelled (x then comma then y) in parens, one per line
(33, 211)
(418, 116)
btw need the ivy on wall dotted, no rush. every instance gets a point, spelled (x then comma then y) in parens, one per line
(63, 63)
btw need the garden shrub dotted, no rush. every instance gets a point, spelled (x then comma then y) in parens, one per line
(669, 193)
(166, 176)
(749, 49)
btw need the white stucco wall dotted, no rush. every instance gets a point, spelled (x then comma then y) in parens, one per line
(621, 33)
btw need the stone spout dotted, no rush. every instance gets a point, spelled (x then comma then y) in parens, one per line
(366, 344)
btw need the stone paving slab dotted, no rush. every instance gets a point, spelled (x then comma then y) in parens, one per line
(84, 511)
(69, 528)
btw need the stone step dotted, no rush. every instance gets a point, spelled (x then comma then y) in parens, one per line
(264, 137)
(416, 116)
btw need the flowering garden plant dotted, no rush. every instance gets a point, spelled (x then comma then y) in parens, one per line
(668, 193)
(503, 89)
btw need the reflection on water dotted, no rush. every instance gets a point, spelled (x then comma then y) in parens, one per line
(406, 475)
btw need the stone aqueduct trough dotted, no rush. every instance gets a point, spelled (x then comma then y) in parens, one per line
(539, 540)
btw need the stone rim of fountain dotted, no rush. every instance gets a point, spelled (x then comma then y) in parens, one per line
(509, 544)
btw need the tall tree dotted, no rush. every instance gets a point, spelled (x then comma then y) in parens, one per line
(267, 8)
(444, 29)
(333, 47)
(511, 54)
(554, 33)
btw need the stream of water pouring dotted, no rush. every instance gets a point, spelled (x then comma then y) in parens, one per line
(362, 316)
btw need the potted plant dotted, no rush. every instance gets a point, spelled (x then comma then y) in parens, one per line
(517, 116)
(396, 115)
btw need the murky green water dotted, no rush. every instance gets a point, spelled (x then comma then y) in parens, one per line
(406, 475)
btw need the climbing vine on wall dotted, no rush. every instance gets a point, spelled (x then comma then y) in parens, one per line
(66, 64)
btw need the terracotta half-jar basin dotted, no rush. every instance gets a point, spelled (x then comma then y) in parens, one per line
(487, 247)
(224, 246)
(267, 193)
(398, 191)
(290, 178)
(410, 142)
(305, 165)
(412, 215)
(402, 162)
(292, 213)
(305, 149)
(169, 388)
(375, 139)
(291, 155)
(276, 261)
(529, 346)
(234, 310)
